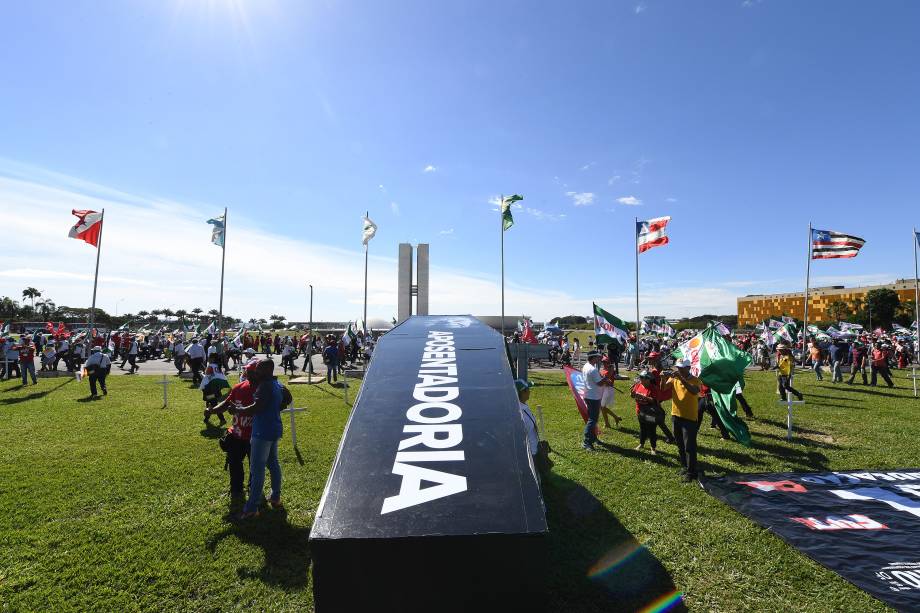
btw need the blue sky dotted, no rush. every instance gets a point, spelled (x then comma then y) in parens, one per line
(743, 120)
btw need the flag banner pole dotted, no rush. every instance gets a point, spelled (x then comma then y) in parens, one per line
(501, 228)
(916, 239)
(366, 244)
(223, 259)
(636, 229)
(92, 309)
(807, 284)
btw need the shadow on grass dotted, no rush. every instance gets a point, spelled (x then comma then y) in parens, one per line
(212, 431)
(862, 390)
(822, 396)
(287, 549)
(33, 395)
(782, 426)
(598, 565)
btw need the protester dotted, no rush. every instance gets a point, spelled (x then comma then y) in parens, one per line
(835, 355)
(26, 354)
(269, 399)
(858, 363)
(236, 444)
(817, 357)
(609, 396)
(647, 409)
(879, 366)
(705, 406)
(784, 369)
(331, 360)
(685, 389)
(179, 356)
(195, 353)
(594, 383)
(97, 366)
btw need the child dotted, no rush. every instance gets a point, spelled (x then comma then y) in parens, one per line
(607, 400)
(214, 386)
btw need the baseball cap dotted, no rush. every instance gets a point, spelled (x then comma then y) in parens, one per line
(682, 363)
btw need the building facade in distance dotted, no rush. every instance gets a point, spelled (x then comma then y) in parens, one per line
(754, 308)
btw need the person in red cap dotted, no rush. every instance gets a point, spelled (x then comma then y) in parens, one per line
(236, 442)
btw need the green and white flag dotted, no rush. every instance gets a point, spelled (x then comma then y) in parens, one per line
(608, 328)
(720, 365)
(350, 335)
(369, 230)
(507, 219)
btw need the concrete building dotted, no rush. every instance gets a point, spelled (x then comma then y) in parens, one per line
(755, 308)
(405, 288)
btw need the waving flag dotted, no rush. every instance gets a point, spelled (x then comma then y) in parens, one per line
(576, 381)
(507, 219)
(720, 365)
(775, 325)
(212, 329)
(369, 231)
(88, 228)
(826, 244)
(217, 234)
(608, 328)
(528, 336)
(651, 233)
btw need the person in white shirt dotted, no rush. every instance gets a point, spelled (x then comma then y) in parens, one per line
(132, 356)
(179, 355)
(97, 366)
(196, 360)
(530, 423)
(287, 356)
(594, 391)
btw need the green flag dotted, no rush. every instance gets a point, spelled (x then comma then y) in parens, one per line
(720, 365)
(608, 328)
(507, 219)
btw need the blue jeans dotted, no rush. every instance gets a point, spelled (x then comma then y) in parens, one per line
(594, 411)
(817, 368)
(262, 453)
(28, 368)
(835, 371)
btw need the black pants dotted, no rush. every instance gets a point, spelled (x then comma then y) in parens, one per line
(238, 452)
(196, 370)
(744, 405)
(100, 378)
(704, 406)
(884, 372)
(132, 360)
(13, 367)
(785, 386)
(685, 431)
(648, 431)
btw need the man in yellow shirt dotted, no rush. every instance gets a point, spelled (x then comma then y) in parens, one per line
(685, 396)
(784, 368)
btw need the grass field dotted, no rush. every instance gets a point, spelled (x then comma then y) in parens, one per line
(118, 505)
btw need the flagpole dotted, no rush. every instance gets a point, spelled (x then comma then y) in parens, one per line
(92, 309)
(366, 213)
(501, 227)
(916, 300)
(223, 258)
(636, 229)
(807, 284)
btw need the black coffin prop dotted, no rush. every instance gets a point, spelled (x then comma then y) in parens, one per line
(452, 525)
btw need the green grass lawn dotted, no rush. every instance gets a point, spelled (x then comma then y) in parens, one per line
(119, 505)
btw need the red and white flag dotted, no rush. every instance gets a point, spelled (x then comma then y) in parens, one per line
(650, 233)
(827, 244)
(88, 228)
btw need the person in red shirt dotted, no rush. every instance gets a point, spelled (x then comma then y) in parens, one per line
(660, 394)
(236, 442)
(647, 410)
(879, 366)
(27, 360)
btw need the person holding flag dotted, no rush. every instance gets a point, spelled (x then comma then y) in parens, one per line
(685, 390)
(594, 383)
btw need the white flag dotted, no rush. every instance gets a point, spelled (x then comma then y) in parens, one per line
(370, 229)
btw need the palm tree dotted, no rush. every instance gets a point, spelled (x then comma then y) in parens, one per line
(8, 307)
(181, 314)
(32, 294)
(47, 307)
(214, 313)
(197, 312)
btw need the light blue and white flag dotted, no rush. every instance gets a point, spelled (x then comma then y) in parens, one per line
(217, 234)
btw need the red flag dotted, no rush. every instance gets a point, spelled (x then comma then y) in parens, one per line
(651, 233)
(61, 329)
(88, 228)
(576, 382)
(528, 336)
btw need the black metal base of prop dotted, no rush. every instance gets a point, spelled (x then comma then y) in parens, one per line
(443, 574)
(433, 503)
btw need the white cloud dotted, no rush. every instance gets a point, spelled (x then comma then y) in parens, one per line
(430, 168)
(638, 169)
(581, 198)
(394, 207)
(382, 188)
(447, 232)
(640, 8)
(542, 215)
(588, 166)
(613, 179)
(629, 200)
(670, 199)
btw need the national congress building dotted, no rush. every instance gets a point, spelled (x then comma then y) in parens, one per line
(755, 308)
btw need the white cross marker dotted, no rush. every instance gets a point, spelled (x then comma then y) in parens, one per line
(291, 411)
(165, 382)
(789, 402)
